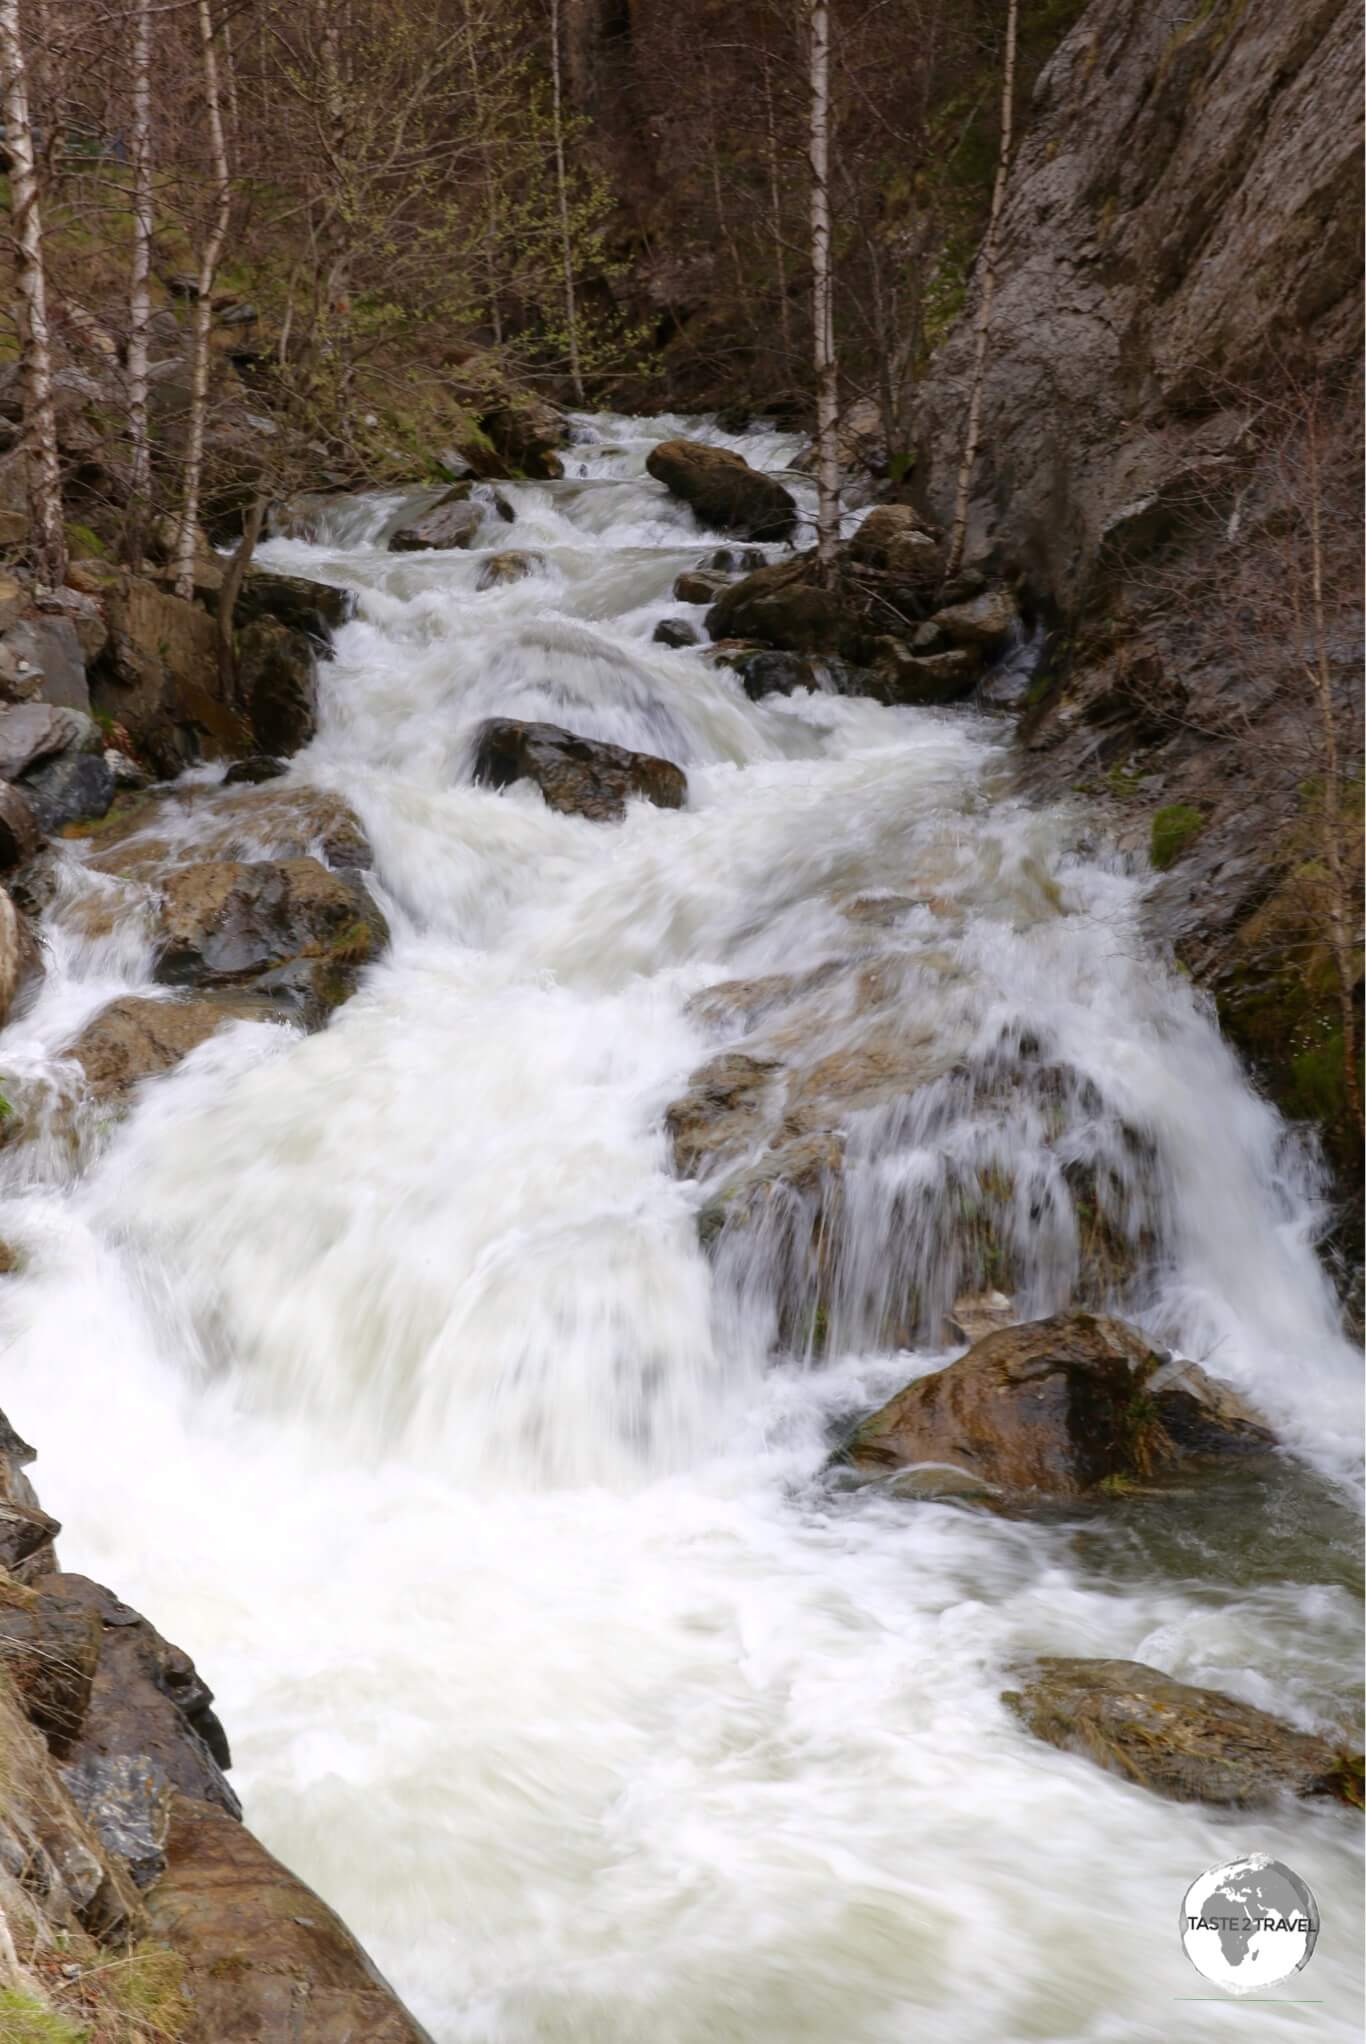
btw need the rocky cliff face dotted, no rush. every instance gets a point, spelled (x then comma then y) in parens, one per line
(1183, 220)
(1169, 462)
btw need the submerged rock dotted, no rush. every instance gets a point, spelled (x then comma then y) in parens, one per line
(720, 1112)
(1191, 1744)
(671, 631)
(1060, 1408)
(138, 1037)
(699, 585)
(512, 566)
(723, 489)
(578, 776)
(451, 522)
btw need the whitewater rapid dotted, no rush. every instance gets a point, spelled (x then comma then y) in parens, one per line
(382, 1368)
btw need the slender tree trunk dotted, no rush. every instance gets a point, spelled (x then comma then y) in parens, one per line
(958, 538)
(203, 309)
(775, 203)
(822, 292)
(228, 594)
(43, 471)
(562, 185)
(139, 296)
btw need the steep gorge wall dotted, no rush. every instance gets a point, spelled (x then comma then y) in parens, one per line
(1184, 215)
(1178, 306)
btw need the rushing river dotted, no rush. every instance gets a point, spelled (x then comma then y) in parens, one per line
(383, 1370)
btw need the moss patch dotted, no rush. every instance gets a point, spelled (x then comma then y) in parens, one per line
(1175, 827)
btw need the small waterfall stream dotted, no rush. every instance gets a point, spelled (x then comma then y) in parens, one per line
(384, 1368)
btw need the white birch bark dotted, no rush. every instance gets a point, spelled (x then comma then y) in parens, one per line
(43, 470)
(203, 308)
(822, 291)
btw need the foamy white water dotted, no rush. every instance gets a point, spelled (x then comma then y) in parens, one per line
(384, 1371)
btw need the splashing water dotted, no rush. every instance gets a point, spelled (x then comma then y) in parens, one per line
(384, 1369)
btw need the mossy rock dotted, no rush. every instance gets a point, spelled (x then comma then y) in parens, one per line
(1174, 829)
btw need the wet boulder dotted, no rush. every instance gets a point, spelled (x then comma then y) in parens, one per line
(74, 788)
(526, 434)
(723, 489)
(700, 585)
(501, 569)
(451, 522)
(21, 960)
(785, 605)
(305, 606)
(254, 770)
(721, 1114)
(1191, 1744)
(921, 680)
(276, 678)
(578, 776)
(288, 928)
(896, 540)
(160, 678)
(984, 620)
(765, 672)
(672, 631)
(147, 1700)
(1063, 1408)
(264, 1957)
(139, 1037)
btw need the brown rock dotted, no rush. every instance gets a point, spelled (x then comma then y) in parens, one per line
(982, 621)
(277, 682)
(451, 522)
(700, 585)
(511, 566)
(721, 1114)
(21, 961)
(1194, 1745)
(161, 681)
(898, 540)
(526, 434)
(49, 1648)
(922, 680)
(226, 922)
(138, 1037)
(723, 489)
(579, 776)
(782, 605)
(1060, 1408)
(147, 1701)
(266, 1960)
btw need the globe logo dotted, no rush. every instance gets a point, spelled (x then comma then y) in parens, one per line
(1249, 1925)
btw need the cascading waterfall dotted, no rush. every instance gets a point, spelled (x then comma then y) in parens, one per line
(385, 1368)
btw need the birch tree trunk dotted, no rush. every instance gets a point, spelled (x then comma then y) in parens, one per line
(959, 534)
(562, 187)
(139, 296)
(822, 291)
(43, 472)
(203, 308)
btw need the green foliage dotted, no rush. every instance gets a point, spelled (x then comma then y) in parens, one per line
(83, 544)
(1174, 828)
(25, 2020)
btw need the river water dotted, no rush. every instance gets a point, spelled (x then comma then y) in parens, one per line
(383, 1370)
